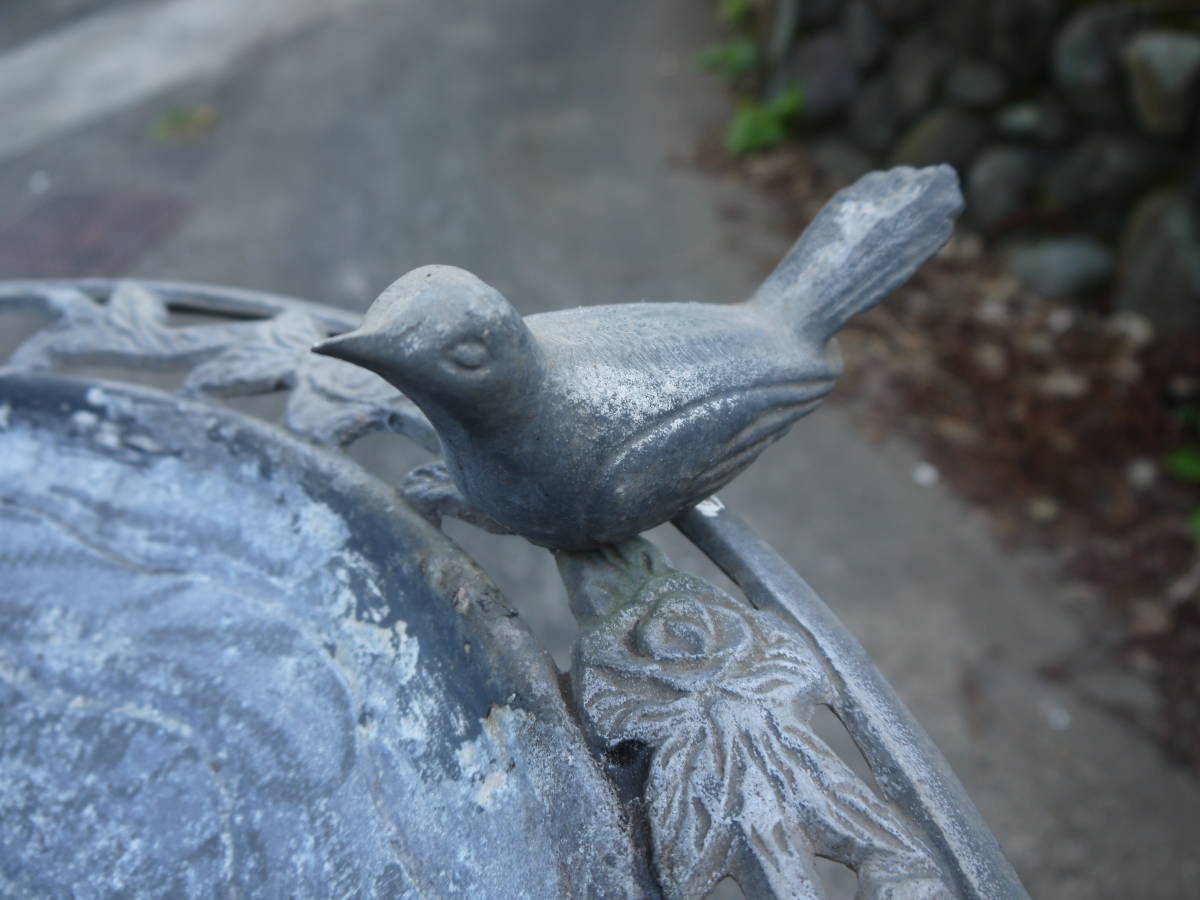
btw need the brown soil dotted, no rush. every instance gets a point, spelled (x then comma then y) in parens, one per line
(1053, 418)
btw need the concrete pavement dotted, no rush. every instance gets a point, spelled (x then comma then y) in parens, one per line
(537, 143)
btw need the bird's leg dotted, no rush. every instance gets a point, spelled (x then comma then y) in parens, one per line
(431, 491)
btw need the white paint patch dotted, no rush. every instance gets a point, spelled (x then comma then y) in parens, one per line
(110, 60)
(486, 761)
(84, 420)
(144, 443)
(710, 508)
(493, 783)
(108, 436)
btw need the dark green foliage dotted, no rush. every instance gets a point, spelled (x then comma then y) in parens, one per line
(731, 60)
(736, 12)
(759, 126)
(1185, 465)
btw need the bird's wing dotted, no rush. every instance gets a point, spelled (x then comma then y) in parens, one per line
(692, 452)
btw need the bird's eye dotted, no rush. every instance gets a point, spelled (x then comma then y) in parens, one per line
(468, 354)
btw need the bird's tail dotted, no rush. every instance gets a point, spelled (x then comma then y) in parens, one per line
(866, 242)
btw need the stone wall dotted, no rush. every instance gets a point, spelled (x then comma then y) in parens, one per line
(1075, 126)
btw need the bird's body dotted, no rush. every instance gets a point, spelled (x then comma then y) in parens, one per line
(587, 426)
(655, 404)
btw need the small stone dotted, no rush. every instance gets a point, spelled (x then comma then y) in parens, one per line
(925, 474)
(899, 12)
(1125, 369)
(1000, 185)
(1143, 663)
(957, 431)
(792, 16)
(1037, 344)
(960, 26)
(1060, 320)
(1042, 509)
(917, 65)
(963, 246)
(840, 160)
(873, 120)
(1043, 121)
(978, 85)
(1142, 473)
(990, 360)
(1017, 32)
(1063, 384)
(1136, 329)
(1160, 261)
(865, 34)
(1183, 387)
(1164, 77)
(1087, 59)
(1062, 267)
(1148, 618)
(814, 13)
(943, 135)
(1103, 169)
(823, 70)
(993, 312)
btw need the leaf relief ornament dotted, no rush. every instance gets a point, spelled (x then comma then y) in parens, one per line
(722, 696)
(328, 402)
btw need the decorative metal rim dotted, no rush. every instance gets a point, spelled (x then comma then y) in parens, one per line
(190, 296)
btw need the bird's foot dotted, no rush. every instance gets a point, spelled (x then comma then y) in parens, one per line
(431, 491)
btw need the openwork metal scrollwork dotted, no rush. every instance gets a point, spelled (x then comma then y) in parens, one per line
(724, 695)
(328, 402)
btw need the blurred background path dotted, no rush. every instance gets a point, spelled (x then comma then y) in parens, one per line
(322, 149)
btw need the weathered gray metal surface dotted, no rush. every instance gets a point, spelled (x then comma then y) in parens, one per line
(231, 664)
(588, 426)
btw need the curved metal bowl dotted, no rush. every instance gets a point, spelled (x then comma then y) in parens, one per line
(232, 663)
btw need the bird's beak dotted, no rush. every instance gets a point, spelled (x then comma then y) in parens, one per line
(353, 346)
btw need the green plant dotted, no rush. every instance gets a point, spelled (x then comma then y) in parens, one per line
(760, 126)
(732, 59)
(1184, 464)
(736, 12)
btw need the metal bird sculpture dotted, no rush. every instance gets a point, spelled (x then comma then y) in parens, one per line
(587, 426)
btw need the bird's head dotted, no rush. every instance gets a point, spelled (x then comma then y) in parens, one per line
(449, 341)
